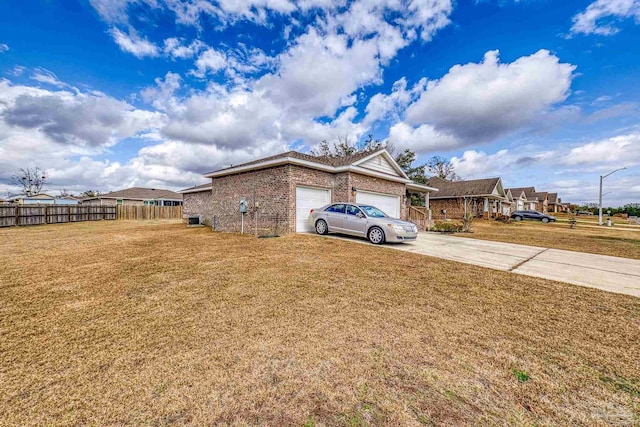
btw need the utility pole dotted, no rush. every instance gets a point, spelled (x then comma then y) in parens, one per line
(602, 177)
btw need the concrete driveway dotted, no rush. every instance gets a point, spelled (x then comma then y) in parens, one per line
(613, 274)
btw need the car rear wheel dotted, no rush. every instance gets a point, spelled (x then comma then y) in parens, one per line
(376, 236)
(545, 220)
(518, 218)
(321, 227)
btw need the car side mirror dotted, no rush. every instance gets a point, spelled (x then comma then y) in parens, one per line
(360, 215)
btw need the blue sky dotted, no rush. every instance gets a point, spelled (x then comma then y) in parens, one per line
(106, 94)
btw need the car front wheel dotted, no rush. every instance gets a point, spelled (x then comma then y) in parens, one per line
(518, 218)
(545, 220)
(376, 236)
(321, 227)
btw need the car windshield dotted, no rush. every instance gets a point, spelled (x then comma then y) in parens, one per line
(373, 212)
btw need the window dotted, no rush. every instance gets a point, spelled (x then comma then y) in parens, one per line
(149, 203)
(373, 212)
(118, 201)
(353, 210)
(339, 208)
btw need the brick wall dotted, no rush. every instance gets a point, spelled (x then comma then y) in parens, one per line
(200, 203)
(267, 195)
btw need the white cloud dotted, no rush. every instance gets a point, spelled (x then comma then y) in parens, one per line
(43, 75)
(210, 61)
(481, 102)
(423, 139)
(71, 118)
(134, 44)
(511, 164)
(601, 15)
(4, 47)
(174, 48)
(622, 150)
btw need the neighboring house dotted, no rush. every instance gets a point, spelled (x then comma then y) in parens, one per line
(531, 200)
(519, 199)
(484, 198)
(137, 196)
(282, 189)
(43, 199)
(555, 203)
(543, 201)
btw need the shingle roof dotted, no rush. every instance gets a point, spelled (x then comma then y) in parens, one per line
(529, 192)
(140, 193)
(324, 160)
(541, 195)
(553, 197)
(450, 189)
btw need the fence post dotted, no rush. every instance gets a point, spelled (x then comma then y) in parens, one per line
(17, 220)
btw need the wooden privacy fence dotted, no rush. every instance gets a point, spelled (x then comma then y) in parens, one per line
(149, 212)
(51, 214)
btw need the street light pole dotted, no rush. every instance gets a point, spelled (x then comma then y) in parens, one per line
(602, 177)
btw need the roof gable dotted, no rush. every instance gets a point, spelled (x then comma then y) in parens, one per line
(381, 161)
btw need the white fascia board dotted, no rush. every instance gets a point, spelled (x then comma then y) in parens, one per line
(195, 190)
(415, 185)
(369, 172)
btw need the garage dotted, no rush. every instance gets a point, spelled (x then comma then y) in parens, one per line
(386, 203)
(308, 198)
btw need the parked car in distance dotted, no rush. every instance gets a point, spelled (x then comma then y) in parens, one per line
(532, 215)
(584, 213)
(361, 220)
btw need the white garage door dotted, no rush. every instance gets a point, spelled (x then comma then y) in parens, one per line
(307, 199)
(387, 204)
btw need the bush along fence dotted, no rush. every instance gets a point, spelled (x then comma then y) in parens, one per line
(19, 215)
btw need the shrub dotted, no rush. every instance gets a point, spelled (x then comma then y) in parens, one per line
(448, 226)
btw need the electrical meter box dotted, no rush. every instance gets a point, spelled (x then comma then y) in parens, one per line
(243, 206)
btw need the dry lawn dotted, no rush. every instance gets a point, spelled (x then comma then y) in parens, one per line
(603, 241)
(150, 323)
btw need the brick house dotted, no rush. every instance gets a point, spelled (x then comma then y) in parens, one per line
(484, 198)
(543, 201)
(281, 190)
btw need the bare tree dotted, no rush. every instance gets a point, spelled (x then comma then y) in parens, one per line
(30, 180)
(442, 168)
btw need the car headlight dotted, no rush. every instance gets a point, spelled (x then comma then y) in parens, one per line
(397, 227)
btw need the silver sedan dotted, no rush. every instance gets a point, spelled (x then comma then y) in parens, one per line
(361, 220)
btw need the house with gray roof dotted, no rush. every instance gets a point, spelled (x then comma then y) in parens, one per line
(483, 198)
(136, 196)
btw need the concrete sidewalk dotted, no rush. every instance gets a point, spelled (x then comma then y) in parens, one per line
(612, 274)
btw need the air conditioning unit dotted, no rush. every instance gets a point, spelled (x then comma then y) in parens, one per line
(195, 221)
